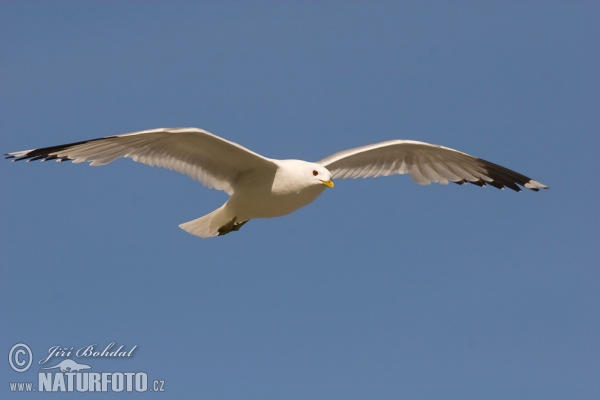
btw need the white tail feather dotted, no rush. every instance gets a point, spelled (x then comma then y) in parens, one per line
(208, 225)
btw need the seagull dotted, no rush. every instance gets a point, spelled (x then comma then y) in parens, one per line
(261, 187)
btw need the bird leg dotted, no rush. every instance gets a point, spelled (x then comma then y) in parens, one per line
(231, 226)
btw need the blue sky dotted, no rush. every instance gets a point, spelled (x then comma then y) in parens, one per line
(379, 289)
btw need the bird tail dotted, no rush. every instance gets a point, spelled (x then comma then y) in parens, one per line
(208, 225)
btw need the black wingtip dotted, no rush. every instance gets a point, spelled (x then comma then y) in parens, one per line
(45, 153)
(503, 177)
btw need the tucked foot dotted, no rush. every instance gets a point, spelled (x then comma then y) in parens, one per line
(231, 226)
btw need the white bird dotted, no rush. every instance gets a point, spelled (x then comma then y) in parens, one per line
(261, 187)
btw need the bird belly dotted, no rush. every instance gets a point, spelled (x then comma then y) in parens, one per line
(262, 204)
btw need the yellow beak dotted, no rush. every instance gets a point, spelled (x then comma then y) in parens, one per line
(328, 183)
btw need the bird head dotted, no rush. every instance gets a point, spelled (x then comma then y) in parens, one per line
(294, 176)
(321, 174)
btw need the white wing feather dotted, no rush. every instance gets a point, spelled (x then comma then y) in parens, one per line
(215, 162)
(425, 163)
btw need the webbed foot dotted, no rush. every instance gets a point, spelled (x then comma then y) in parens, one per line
(231, 226)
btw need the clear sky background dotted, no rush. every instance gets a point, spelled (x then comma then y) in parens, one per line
(380, 289)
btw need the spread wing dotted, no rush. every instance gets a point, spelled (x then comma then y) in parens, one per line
(425, 163)
(215, 162)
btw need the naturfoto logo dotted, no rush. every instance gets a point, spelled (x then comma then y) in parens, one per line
(68, 375)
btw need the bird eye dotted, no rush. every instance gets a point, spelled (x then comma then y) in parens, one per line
(315, 173)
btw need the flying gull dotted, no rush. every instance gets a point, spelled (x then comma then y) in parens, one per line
(261, 187)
